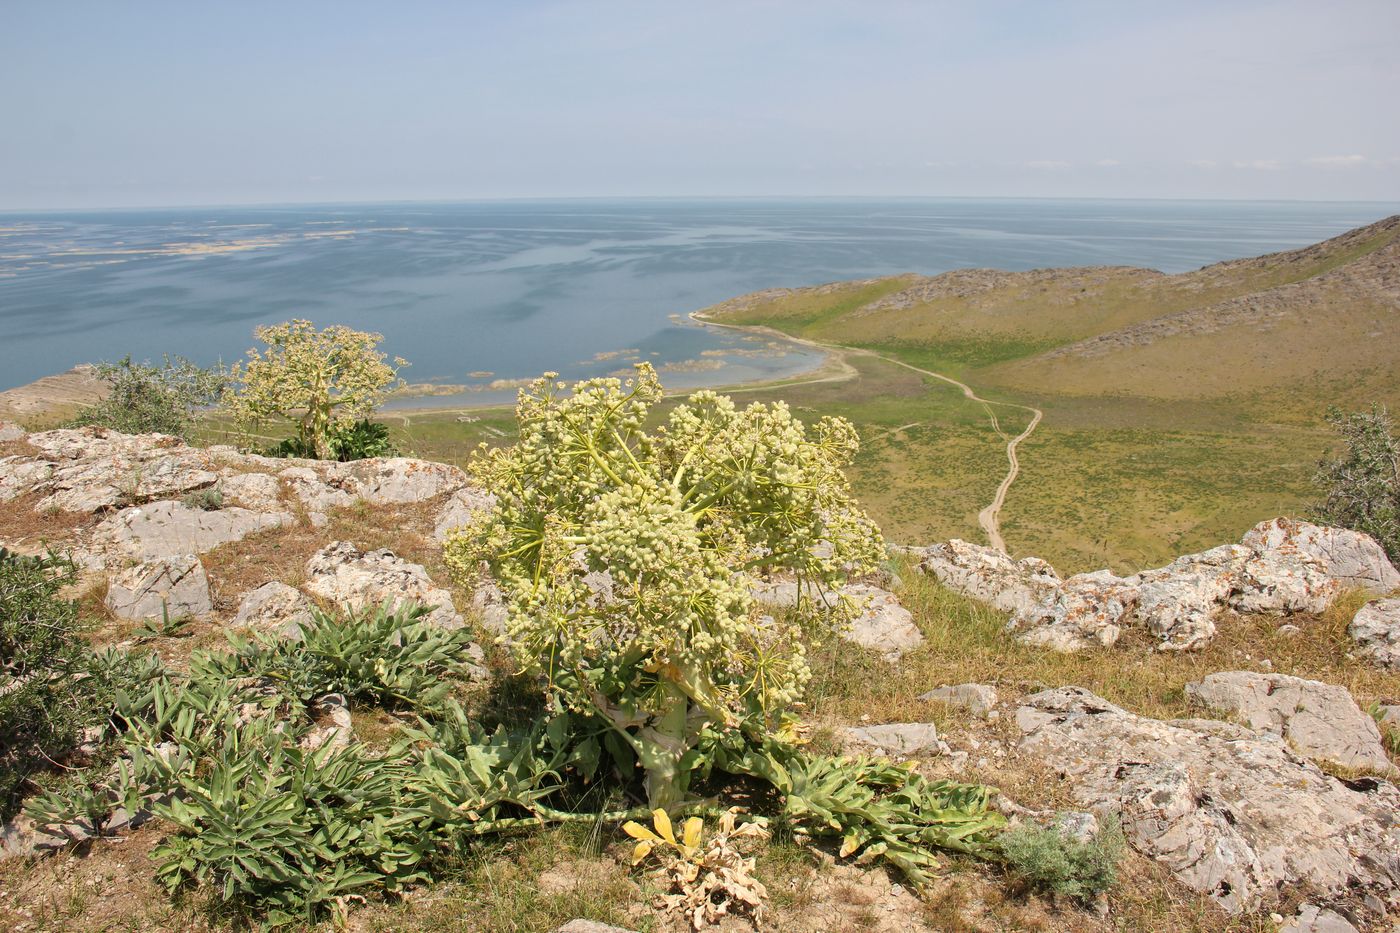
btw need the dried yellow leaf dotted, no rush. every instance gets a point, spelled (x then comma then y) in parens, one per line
(693, 828)
(662, 821)
(638, 831)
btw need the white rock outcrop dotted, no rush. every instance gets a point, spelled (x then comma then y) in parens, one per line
(173, 587)
(904, 739)
(881, 623)
(342, 574)
(978, 699)
(464, 507)
(1234, 814)
(163, 529)
(274, 607)
(1376, 628)
(1319, 720)
(1281, 566)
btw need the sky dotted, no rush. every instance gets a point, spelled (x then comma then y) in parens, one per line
(149, 103)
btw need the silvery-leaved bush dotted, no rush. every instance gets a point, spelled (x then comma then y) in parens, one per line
(627, 555)
(314, 377)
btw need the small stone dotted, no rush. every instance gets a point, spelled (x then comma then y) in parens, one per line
(897, 738)
(173, 587)
(977, 699)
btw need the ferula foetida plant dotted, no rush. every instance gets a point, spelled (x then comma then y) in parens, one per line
(627, 556)
(313, 377)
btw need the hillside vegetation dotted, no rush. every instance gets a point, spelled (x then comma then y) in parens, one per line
(1179, 409)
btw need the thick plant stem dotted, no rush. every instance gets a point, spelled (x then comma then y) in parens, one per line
(659, 748)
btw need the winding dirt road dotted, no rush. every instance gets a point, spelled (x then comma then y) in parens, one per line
(990, 517)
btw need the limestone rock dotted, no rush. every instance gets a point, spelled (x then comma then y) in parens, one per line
(174, 586)
(22, 475)
(978, 699)
(343, 574)
(899, 738)
(394, 480)
(1087, 611)
(989, 575)
(257, 491)
(333, 726)
(490, 605)
(1234, 814)
(162, 529)
(274, 606)
(9, 431)
(1314, 919)
(1282, 566)
(314, 492)
(1376, 628)
(1349, 557)
(1320, 720)
(461, 509)
(882, 624)
(1390, 715)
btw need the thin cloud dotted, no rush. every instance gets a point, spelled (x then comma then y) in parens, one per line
(1204, 163)
(1338, 161)
(1260, 165)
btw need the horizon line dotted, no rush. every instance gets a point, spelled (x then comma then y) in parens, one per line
(504, 199)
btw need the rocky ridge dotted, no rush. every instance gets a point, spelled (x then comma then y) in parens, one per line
(1238, 811)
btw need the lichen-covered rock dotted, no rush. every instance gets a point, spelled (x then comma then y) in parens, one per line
(162, 529)
(1087, 611)
(987, 574)
(898, 738)
(397, 480)
(978, 699)
(343, 574)
(1314, 919)
(257, 491)
(22, 475)
(1320, 720)
(1376, 628)
(1233, 813)
(173, 587)
(9, 431)
(464, 507)
(274, 607)
(881, 623)
(311, 487)
(1348, 557)
(1282, 566)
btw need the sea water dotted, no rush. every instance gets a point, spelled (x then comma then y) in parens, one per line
(484, 294)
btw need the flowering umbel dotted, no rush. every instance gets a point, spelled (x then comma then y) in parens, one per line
(314, 377)
(627, 556)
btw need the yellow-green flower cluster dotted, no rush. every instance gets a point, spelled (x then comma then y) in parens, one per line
(627, 556)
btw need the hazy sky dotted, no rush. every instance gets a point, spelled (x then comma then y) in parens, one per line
(143, 103)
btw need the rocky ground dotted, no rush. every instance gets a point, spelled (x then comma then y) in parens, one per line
(1272, 806)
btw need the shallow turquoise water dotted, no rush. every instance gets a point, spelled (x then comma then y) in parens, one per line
(516, 288)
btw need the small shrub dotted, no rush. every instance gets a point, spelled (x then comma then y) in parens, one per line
(144, 399)
(52, 686)
(1361, 484)
(204, 500)
(1051, 862)
(350, 440)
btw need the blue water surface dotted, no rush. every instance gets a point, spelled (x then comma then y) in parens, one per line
(472, 293)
